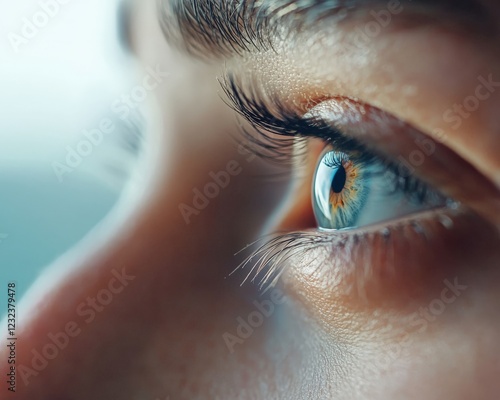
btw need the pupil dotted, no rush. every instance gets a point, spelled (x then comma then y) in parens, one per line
(339, 179)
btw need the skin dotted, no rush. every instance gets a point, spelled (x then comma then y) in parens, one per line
(162, 336)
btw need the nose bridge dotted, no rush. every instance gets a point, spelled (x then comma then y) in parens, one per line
(139, 269)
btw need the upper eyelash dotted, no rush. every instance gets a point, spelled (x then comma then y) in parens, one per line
(284, 122)
(335, 159)
(288, 125)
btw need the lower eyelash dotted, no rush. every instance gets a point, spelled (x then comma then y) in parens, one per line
(266, 260)
(269, 261)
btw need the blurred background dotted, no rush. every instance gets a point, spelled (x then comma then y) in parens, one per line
(70, 127)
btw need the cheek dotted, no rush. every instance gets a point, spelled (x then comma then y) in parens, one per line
(448, 339)
(453, 364)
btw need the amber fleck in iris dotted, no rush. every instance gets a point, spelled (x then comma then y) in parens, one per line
(348, 188)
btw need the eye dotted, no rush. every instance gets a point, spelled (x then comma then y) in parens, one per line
(393, 165)
(339, 191)
(352, 191)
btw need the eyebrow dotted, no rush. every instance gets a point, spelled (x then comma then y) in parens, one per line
(227, 27)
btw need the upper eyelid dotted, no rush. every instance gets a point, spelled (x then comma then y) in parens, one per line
(439, 171)
(227, 27)
(287, 123)
(284, 122)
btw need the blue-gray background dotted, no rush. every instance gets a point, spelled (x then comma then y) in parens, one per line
(61, 82)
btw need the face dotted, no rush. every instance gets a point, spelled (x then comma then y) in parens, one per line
(318, 216)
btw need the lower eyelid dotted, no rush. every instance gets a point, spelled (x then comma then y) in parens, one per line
(383, 266)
